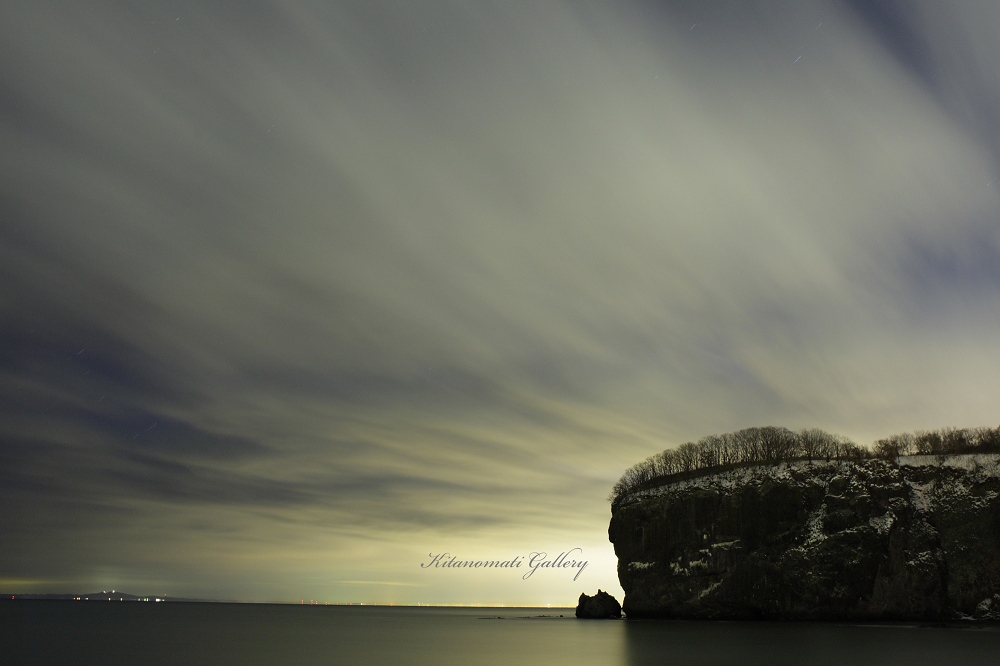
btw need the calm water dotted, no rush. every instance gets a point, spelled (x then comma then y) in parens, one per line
(42, 632)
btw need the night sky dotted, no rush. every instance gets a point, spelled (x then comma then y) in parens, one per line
(294, 294)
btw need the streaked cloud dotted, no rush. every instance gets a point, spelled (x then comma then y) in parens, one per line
(293, 293)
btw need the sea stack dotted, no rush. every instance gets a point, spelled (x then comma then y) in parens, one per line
(600, 606)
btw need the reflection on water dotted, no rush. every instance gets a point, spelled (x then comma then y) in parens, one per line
(175, 633)
(807, 643)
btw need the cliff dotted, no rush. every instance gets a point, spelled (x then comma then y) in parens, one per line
(913, 540)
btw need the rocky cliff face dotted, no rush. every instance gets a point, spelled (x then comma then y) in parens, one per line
(917, 540)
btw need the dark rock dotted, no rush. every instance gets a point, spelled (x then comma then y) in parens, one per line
(600, 606)
(868, 540)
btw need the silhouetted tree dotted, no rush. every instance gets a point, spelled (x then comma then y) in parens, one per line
(773, 445)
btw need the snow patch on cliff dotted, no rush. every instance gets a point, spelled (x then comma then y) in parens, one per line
(883, 523)
(708, 590)
(798, 471)
(725, 545)
(814, 526)
(986, 463)
(819, 473)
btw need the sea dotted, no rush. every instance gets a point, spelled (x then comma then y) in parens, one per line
(68, 632)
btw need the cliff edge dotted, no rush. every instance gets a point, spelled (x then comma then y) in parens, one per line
(915, 539)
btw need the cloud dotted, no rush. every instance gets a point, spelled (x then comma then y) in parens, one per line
(424, 271)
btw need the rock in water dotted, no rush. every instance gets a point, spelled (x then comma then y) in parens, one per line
(867, 540)
(600, 606)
